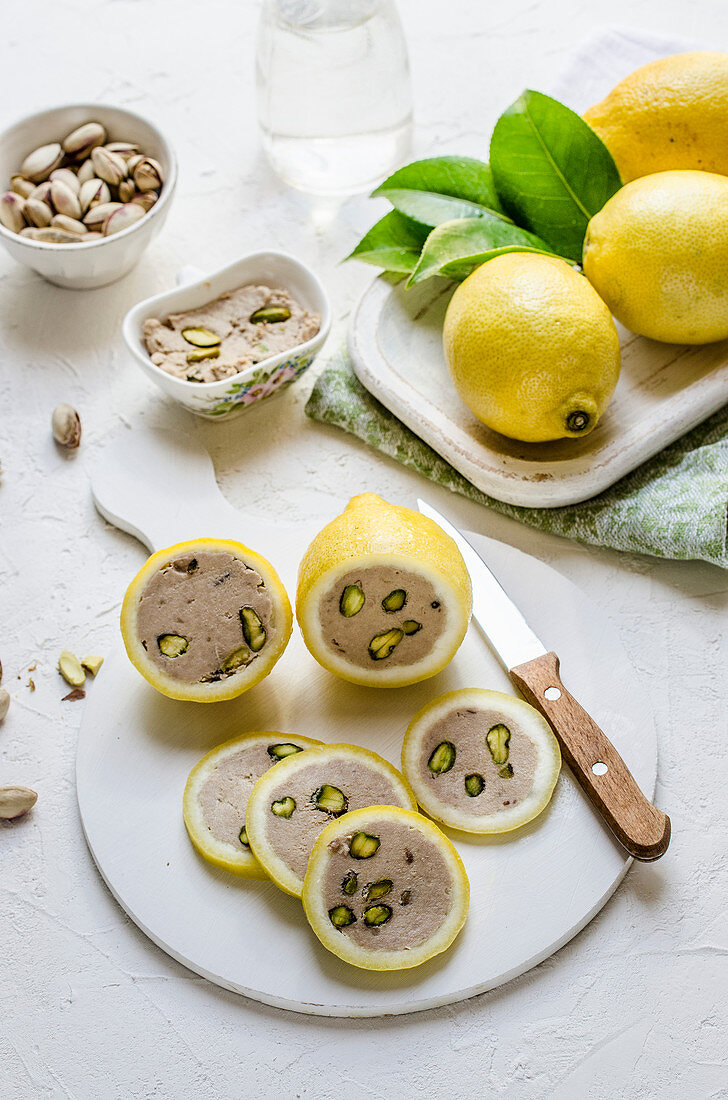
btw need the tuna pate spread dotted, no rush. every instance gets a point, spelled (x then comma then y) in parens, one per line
(230, 334)
(382, 616)
(204, 616)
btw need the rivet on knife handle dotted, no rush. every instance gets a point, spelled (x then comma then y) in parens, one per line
(638, 825)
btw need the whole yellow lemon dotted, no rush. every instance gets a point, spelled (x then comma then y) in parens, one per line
(532, 349)
(657, 254)
(672, 113)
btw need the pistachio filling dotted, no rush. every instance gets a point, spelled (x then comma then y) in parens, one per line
(363, 845)
(283, 807)
(442, 758)
(330, 799)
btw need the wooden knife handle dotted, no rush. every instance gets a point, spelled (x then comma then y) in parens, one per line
(638, 825)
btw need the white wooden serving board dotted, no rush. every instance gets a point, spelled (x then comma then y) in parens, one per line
(395, 343)
(530, 893)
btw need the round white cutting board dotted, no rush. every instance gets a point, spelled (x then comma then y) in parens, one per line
(531, 890)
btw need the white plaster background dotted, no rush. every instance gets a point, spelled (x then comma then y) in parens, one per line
(636, 1005)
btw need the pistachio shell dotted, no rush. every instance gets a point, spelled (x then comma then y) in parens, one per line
(68, 176)
(83, 139)
(50, 235)
(93, 192)
(39, 164)
(86, 171)
(145, 199)
(126, 215)
(21, 186)
(148, 175)
(109, 167)
(4, 702)
(133, 161)
(15, 801)
(70, 225)
(126, 190)
(11, 211)
(42, 192)
(125, 149)
(37, 213)
(65, 201)
(97, 215)
(66, 427)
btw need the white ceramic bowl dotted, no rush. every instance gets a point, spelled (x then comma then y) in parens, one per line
(99, 262)
(228, 396)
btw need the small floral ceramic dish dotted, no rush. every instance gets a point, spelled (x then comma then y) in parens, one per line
(229, 396)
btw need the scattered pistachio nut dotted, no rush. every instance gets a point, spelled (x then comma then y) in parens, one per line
(74, 696)
(331, 800)
(92, 664)
(474, 785)
(395, 601)
(442, 758)
(4, 702)
(498, 739)
(83, 139)
(71, 669)
(363, 845)
(383, 645)
(39, 164)
(12, 206)
(172, 645)
(352, 601)
(341, 915)
(253, 629)
(66, 426)
(269, 314)
(280, 752)
(349, 883)
(283, 807)
(16, 801)
(201, 337)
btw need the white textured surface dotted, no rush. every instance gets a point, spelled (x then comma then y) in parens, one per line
(635, 1006)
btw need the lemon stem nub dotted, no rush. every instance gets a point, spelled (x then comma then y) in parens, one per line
(578, 421)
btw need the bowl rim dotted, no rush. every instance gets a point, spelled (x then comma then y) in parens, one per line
(165, 196)
(131, 326)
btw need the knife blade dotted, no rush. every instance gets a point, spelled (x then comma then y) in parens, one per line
(642, 829)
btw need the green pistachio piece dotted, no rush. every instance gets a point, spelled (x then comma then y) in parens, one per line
(330, 799)
(506, 772)
(341, 915)
(243, 837)
(498, 738)
(376, 915)
(442, 758)
(253, 629)
(283, 807)
(203, 353)
(236, 659)
(349, 883)
(172, 645)
(382, 645)
(270, 314)
(363, 845)
(201, 337)
(280, 752)
(411, 626)
(395, 601)
(378, 889)
(352, 601)
(474, 785)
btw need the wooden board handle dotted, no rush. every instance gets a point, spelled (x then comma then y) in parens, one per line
(638, 825)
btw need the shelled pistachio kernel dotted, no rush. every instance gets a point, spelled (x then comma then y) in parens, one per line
(92, 664)
(243, 837)
(498, 738)
(506, 772)
(411, 626)
(270, 314)
(253, 629)
(352, 601)
(378, 889)
(442, 758)
(395, 601)
(349, 883)
(201, 337)
(172, 645)
(474, 784)
(280, 752)
(283, 807)
(236, 659)
(70, 668)
(341, 915)
(363, 845)
(376, 915)
(202, 354)
(382, 645)
(330, 799)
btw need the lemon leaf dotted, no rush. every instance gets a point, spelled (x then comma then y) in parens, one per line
(439, 189)
(457, 247)
(394, 243)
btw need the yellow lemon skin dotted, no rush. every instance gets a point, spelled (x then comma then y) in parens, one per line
(670, 114)
(532, 349)
(371, 531)
(657, 254)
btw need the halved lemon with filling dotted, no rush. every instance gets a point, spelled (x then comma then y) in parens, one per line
(384, 597)
(385, 889)
(216, 795)
(290, 805)
(481, 761)
(205, 620)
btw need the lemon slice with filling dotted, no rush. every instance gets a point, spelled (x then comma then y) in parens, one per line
(216, 795)
(384, 597)
(385, 889)
(290, 804)
(481, 761)
(205, 620)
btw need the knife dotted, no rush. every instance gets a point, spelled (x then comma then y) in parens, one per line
(642, 829)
